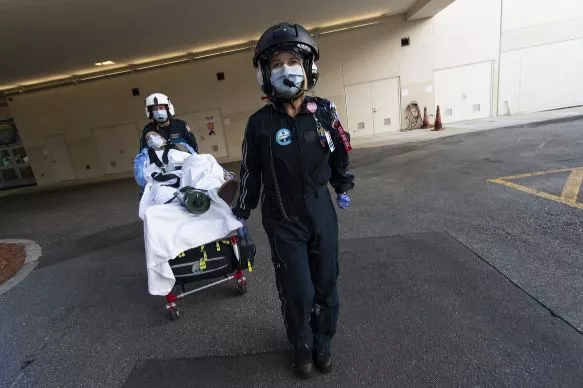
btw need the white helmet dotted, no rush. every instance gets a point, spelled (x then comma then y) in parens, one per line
(158, 99)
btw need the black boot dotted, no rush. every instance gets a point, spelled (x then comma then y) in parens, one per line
(303, 362)
(322, 328)
(323, 361)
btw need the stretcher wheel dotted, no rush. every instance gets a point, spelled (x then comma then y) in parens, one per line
(242, 286)
(174, 313)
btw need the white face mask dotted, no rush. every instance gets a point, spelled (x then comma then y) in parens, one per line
(155, 141)
(294, 74)
(160, 115)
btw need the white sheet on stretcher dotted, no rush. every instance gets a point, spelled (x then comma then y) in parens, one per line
(170, 229)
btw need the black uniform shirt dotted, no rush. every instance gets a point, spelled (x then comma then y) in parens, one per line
(300, 165)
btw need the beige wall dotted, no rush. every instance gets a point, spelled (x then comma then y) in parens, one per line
(74, 113)
(542, 55)
(467, 37)
(375, 53)
(465, 33)
(526, 13)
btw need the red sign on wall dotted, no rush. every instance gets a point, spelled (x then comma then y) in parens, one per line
(210, 125)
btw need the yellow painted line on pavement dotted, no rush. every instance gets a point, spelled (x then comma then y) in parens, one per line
(571, 189)
(566, 200)
(538, 173)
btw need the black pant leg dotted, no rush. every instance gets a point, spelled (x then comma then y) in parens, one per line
(324, 270)
(289, 248)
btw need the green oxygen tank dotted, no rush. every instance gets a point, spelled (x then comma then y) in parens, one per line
(196, 201)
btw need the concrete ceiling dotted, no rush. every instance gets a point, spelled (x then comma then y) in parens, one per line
(48, 38)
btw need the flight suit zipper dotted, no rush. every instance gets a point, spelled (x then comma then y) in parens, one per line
(300, 142)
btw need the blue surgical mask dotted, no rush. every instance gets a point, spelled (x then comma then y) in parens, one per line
(155, 141)
(160, 115)
(294, 73)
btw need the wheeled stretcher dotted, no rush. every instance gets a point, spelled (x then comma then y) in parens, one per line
(190, 232)
(224, 260)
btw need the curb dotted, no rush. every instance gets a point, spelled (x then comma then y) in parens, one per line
(544, 122)
(532, 124)
(33, 253)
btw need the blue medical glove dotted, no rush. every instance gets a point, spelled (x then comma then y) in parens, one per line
(343, 201)
(140, 164)
(243, 232)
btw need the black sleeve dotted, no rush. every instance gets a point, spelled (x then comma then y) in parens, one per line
(191, 140)
(251, 168)
(341, 179)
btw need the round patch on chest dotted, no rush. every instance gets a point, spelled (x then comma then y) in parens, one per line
(312, 107)
(283, 137)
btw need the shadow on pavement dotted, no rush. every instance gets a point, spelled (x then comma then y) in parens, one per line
(416, 310)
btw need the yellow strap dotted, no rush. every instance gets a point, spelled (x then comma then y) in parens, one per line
(249, 266)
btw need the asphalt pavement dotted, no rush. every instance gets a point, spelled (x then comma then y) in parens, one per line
(447, 279)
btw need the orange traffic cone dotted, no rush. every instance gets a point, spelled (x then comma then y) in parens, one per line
(425, 119)
(438, 126)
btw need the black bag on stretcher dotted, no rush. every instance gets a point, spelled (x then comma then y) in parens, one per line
(213, 260)
(226, 258)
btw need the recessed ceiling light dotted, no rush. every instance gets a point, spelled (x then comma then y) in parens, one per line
(105, 63)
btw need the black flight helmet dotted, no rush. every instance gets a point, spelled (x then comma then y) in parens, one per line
(291, 38)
